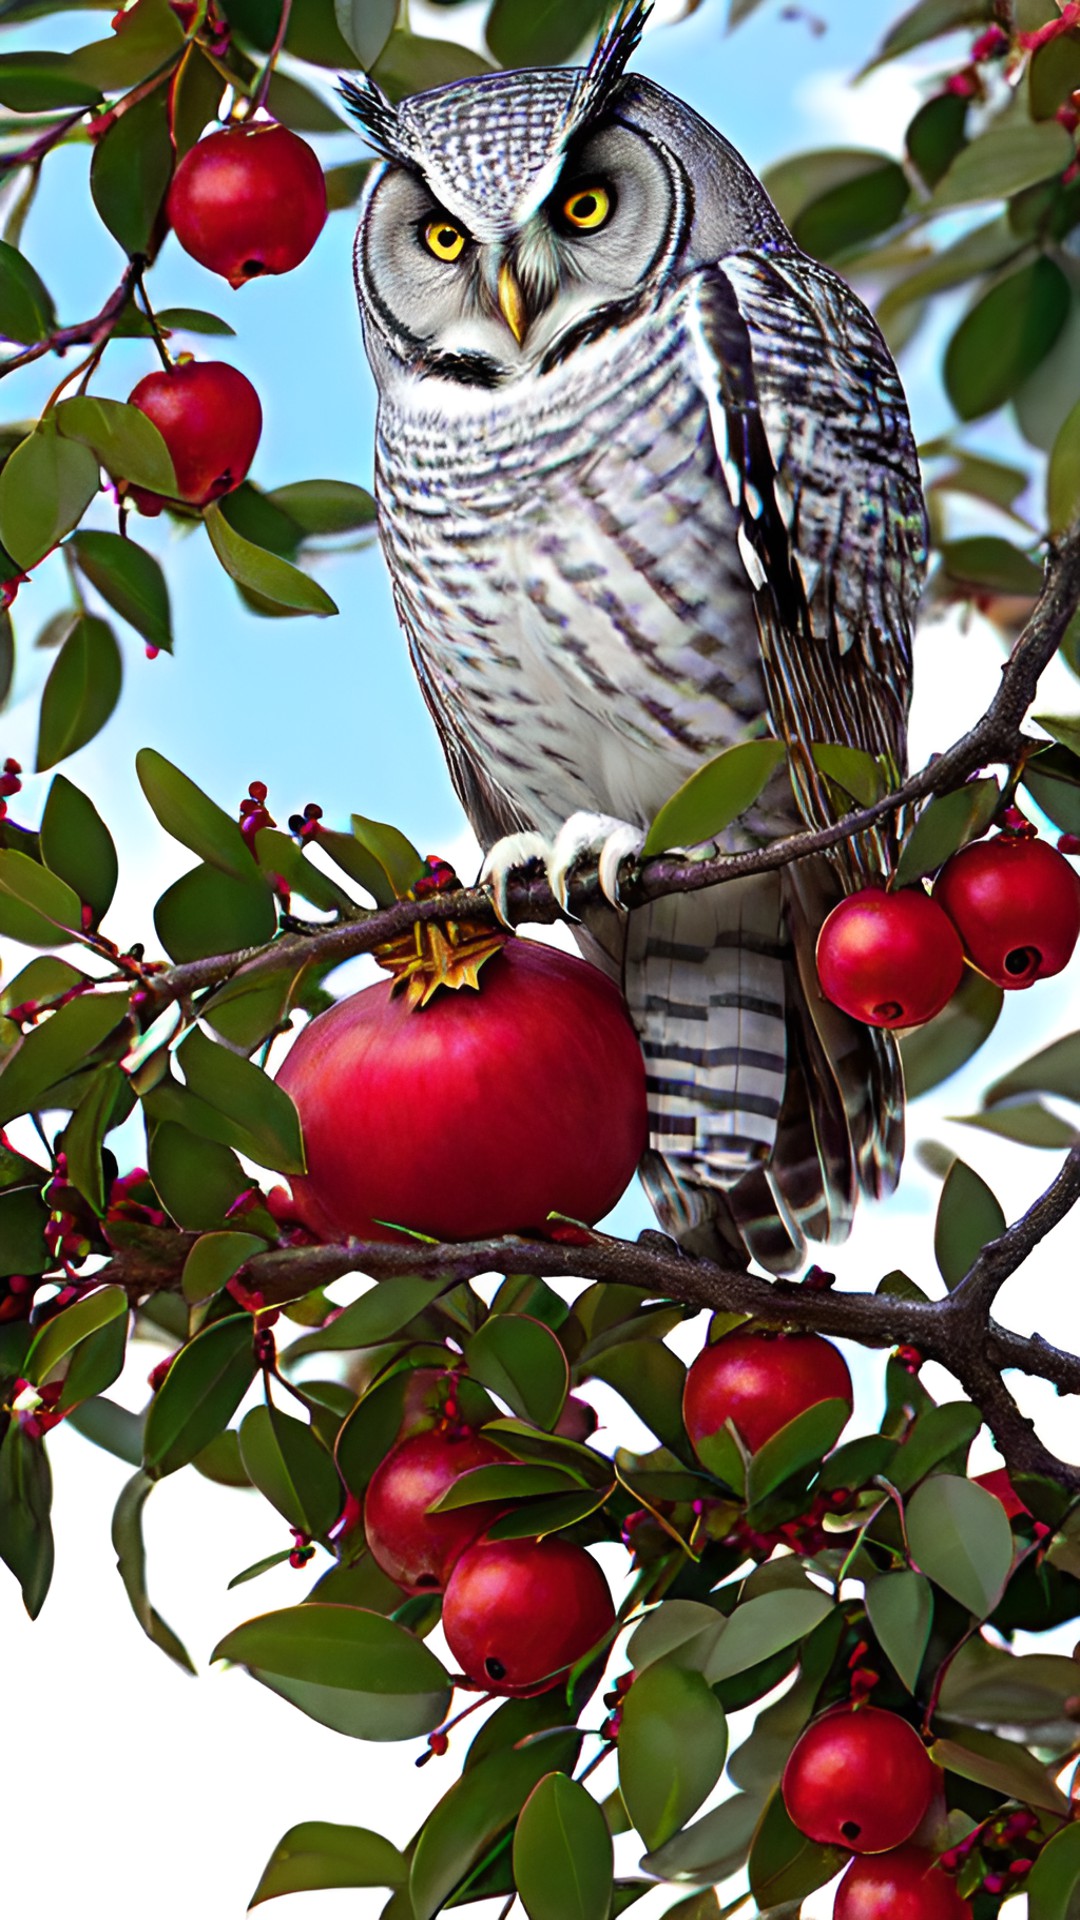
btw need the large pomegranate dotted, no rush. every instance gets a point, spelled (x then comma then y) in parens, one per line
(478, 1113)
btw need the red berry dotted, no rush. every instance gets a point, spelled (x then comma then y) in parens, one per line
(416, 1548)
(1016, 906)
(859, 1777)
(248, 201)
(905, 1885)
(761, 1382)
(999, 1484)
(210, 419)
(477, 1114)
(518, 1613)
(890, 959)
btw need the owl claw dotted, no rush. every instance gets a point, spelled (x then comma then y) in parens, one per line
(509, 856)
(596, 836)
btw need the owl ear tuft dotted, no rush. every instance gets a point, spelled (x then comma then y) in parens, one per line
(615, 47)
(378, 118)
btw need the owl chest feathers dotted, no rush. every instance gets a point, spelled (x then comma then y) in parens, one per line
(564, 558)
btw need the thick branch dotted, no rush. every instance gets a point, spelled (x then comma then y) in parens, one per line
(997, 737)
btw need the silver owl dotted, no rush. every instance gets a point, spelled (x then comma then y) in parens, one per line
(647, 488)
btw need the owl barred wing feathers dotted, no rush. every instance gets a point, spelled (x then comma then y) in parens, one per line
(647, 485)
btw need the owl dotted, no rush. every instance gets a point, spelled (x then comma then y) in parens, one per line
(647, 488)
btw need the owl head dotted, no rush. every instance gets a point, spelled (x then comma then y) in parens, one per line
(519, 215)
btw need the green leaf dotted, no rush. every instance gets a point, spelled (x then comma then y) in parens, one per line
(650, 1378)
(539, 1517)
(948, 822)
(975, 474)
(857, 772)
(51, 1051)
(961, 1540)
(367, 26)
(521, 1360)
(392, 853)
(384, 1310)
(514, 1481)
(936, 135)
(300, 107)
(933, 1053)
(131, 1565)
(199, 1394)
(264, 573)
(23, 1215)
(1052, 778)
(985, 563)
(1055, 1878)
(194, 320)
(148, 35)
(190, 816)
(1054, 1069)
(77, 845)
(213, 1260)
(714, 796)
(344, 185)
(714, 1847)
(81, 691)
(763, 1626)
(1053, 76)
(324, 507)
(672, 1748)
(1011, 155)
(804, 1441)
(1029, 1123)
(1006, 335)
(251, 513)
(207, 911)
(317, 1854)
(60, 1336)
(259, 1567)
(26, 1542)
(237, 1088)
(42, 83)
(901, 1610)
(130, 172)
(129, 578)
(196, 1180)
(349, 1669)
(938, 1433)
(292, 1469)
(1063, 476)
(927, 21)
(968, 1216)
(784, 1865)
(45, 488)
(543, 34)
(113, 1428)
(855, 211)
(1006, 1768)
(411, 64)
(27, 313)
(35, 907)
(468, 1818)
(563, 1857)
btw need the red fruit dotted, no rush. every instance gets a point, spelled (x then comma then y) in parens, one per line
(518, 1613)
(477, 1114)
(859, 1777)
(416, 1548)
(890, 959)
(248, 201)
(905, 1885)
(210, 419)
(1015, 902)
(761, 1381)
(998, 1483)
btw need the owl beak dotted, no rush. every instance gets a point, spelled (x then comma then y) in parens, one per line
(512, 302)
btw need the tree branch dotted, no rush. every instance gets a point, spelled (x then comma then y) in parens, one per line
(996, 738)
(86, 333)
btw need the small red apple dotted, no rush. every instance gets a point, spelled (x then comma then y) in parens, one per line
(858, 1777)
(890, 959)
(247, 201)
(761, 1381)
(905, 1885)
(479, 1113)
(416, 1548)
(1015, 902)
(518, 1613)
(210, 419)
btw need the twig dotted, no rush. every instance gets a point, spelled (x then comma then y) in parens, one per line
(258, 98)
(85, 332)
(33, 155)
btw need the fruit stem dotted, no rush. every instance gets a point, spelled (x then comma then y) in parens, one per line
(258, 98)
(155, 325)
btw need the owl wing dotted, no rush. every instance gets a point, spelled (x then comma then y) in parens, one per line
(816, 450)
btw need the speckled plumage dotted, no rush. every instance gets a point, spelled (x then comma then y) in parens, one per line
(683, 511)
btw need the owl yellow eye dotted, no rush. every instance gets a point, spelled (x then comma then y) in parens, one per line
(588, 208)
(443, 240)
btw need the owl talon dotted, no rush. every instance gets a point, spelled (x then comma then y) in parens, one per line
(588, 837)
(510, 855)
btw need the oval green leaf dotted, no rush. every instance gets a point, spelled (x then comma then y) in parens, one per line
(265, 573)
(317, 1854)
(672, 1748)
(968, 1216)
(81, 691)
(714, 796)
(351, 1670)
(901, 1610)
(563, 1856)
(521, 1360)
(960, 1539)
(199, 1394)
(292, 1469)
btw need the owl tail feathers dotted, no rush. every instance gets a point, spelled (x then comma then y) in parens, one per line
(768, 1108)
